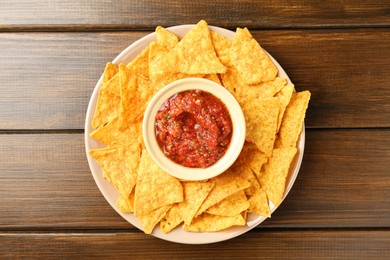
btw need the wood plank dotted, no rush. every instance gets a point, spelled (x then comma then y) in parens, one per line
(343, 182)
(46, 183)
(101, 14)
(62, 71)
(346, 71)
(264, 244)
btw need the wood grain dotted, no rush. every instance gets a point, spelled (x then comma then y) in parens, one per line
(46, 79)
(46, 183)
(265, 244)
(343, 182)
(101, 14)
(52, 53)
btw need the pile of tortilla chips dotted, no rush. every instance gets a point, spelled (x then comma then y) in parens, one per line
(274, 115)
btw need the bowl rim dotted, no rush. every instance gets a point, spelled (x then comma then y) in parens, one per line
(237, 139)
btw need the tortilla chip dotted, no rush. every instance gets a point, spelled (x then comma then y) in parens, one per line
(155, 188)
(245, 93)
(103, 157)
(108, 102)
(222, 48)
(172, 219)
(213, 77)
(150, 220)
(230, 206)
(226, 184)
(140, 65)
(109, 72)
(135, 94)
(119, 165)
(257, 198)
(110, 135)
(213, 223)
(170, 78)
(261, 91)
(107, 105)
(196, 54)
(284, 96)
(259, 204)
(274, 174)
(230, 82)
(252, 61)
(128, 92)
(165, 38)
(293, 118)
(110, 90)
(251, 157)
(194, 195)
(162, 63)
(261, 121)
(126, 203)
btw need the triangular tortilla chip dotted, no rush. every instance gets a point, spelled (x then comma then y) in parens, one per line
(108, 101)
(135, 94)
(261, 121)
(194, 195)
(251, 61)
(213, 223)
(213, 77)
(162, 63)
(172, 219)
(140, 65)
(110, 135)
(119, 165)
(109, 72)
(251, 157)
(170, 78)
(222, 48)
(155, 188)
(293, 118)
(261, 91)
(284, 96)
(230, 206)
(274, 174)
(196, 54)
(150, 220)
(245, 93)
(107, 105)
(165, 38)
(126, 203)
(258, 203)
(226, 184)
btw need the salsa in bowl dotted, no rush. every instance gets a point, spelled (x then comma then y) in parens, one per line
(194, 129)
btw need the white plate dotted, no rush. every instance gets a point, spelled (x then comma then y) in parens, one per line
(178, 235)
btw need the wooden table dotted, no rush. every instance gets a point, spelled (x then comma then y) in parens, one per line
(52, 54)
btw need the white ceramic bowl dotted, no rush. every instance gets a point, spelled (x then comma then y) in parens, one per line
(236, 142)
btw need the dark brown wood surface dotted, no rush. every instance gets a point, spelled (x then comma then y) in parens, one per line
(133, 14)
(50, 76)
(53, 52)
(48, 185)
(295, 244)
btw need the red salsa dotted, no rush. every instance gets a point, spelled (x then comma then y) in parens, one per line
(193, 128)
